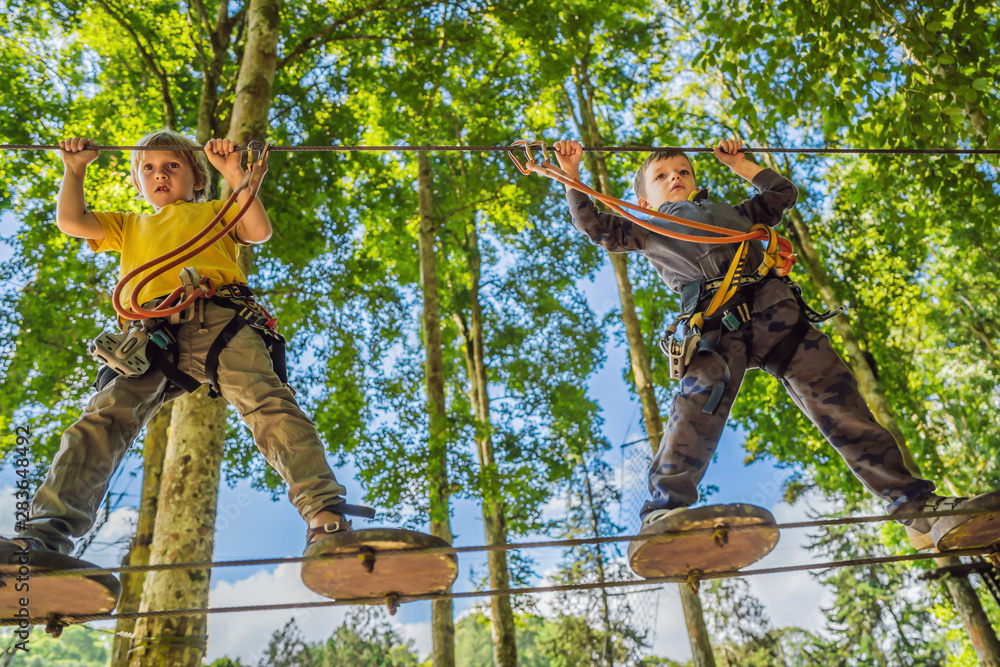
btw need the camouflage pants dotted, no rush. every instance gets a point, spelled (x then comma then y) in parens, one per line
(817, 380)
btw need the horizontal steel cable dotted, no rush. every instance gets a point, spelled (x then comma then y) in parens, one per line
(589, 149)
(624, 583)
(205, 565)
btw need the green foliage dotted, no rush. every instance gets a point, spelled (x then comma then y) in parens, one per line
(364, 639)
(78, 646)
(563, 641)
(593, 624)
(881, 614)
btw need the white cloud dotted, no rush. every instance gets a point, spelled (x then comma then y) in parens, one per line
(419, 634)
(246, 635)
(793, 598)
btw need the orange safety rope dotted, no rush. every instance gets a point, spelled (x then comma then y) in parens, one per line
(252, 179)
(778, 253)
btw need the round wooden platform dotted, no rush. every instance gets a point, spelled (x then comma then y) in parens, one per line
(48, 597)
(374, 573)
(969, 531)
(720, 550)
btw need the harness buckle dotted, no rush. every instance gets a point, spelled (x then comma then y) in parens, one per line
(736, 316)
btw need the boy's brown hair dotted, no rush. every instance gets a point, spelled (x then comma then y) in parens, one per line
(194, 159)
(639, 184)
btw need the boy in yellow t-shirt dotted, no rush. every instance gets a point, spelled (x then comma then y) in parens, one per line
(175, 185)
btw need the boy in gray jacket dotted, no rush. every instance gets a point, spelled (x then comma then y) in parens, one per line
(762, 315)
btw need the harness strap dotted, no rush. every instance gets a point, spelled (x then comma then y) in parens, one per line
(708, 346)
(212, 359)
(778, 357)
(159, 359)
(248, 313)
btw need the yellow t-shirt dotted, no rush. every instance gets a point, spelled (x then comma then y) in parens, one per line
(142, 237)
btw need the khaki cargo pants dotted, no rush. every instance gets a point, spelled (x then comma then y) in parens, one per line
(66, 504)
(817, 380)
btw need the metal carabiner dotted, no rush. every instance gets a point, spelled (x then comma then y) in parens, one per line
(528, 147)
(257, 154)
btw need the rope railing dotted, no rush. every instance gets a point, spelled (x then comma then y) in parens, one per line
(206, 565)
(335, 148)
(529, 590)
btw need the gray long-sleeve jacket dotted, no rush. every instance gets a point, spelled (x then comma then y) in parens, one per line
(682, 262)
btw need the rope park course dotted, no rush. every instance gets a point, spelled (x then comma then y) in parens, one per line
(778, 256)
(693, 578)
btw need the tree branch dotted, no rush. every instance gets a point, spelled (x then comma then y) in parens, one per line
(321, 37)
(168, 104)
(325, 35)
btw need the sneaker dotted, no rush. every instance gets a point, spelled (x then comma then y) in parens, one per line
(918, 530)
(653, 522)
(13, 547)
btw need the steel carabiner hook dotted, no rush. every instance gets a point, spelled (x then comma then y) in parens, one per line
(529, 147)
(257, 154)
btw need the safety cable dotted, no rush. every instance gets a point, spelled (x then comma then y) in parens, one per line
(205, 565)
(498, 149)
(829, 565)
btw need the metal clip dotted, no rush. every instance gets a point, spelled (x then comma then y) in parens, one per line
(189, 281)
(680, 351)
(258, 155)
(528, 147)
(693, 580)
(257, 158)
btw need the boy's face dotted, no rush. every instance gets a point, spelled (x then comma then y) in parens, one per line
(165, 178)
(668, 180)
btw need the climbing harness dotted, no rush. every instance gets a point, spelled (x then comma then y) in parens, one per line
(735, 289)
(151, 340)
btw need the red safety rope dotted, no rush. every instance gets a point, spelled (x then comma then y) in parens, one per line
(256, 169)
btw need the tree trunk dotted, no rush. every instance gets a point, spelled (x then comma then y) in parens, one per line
(962, 593)
(701, 645)
(494, 514)
(442, 611)
(977, 625)
(694, 615)
(186, 520)
(256, 78)
(185, 531)
(595, 524)
(153, 448)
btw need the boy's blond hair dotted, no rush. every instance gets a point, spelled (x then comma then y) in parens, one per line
(639, 184)
(194, 159)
